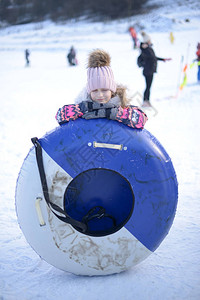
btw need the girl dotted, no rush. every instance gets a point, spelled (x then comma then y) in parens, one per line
(102, 97)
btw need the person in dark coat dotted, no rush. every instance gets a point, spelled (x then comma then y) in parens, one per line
(149, 65)
(27, 54)
(72, 57)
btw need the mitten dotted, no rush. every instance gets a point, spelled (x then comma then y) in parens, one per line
(131, 116)
(67, 113)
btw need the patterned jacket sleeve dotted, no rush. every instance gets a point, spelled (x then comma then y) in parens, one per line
(67, 113)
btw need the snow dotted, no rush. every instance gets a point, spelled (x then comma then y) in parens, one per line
(30, 98)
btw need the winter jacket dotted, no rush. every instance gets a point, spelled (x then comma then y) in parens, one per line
(150, 60)
(133, 32)
(72, 56)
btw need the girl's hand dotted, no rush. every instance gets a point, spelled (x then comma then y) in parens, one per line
(67, 113)
(131, 116)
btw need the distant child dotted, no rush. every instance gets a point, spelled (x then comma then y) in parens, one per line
(27, 54)
(149, 64)
(134, 36)
(198, 61)
(71, 56)
(102, 97)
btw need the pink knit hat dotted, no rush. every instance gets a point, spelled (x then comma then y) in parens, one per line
(100, 74)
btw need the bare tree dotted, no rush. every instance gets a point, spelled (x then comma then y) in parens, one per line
(18, 11)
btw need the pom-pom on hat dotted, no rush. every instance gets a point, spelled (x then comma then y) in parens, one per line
(99, 73)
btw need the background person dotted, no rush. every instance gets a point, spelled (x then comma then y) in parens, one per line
(149, 65)
(27, 54)
(71, 56)
(134, 36)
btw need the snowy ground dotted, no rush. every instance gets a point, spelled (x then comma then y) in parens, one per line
(29, 100)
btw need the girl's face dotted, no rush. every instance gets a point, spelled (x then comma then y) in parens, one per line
(101, 95)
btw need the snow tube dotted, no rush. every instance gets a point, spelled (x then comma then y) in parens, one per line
(112, 196)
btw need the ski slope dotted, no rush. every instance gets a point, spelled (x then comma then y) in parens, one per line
(30, 97)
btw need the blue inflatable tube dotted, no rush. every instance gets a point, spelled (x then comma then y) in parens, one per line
(124, 170)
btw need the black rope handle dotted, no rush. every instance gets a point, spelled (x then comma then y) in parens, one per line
(98, 212)
(67, 219)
